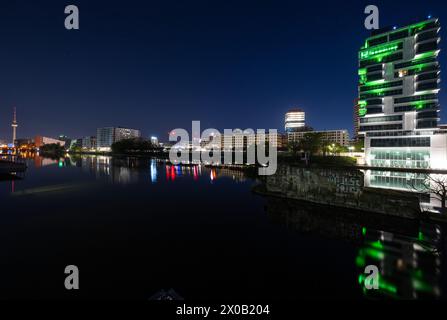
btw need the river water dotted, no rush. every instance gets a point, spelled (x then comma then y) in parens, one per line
(135, 226)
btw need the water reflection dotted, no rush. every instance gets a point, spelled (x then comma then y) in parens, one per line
(431, 189)
(407, 253)
(409, 264)
(125, 170)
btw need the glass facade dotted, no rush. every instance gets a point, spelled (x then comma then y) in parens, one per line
(401, 142)
(398, 180)
(401, 159)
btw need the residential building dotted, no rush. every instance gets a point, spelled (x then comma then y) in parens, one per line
(106, 136)
(340, 137)
(89, 142)
(39, 141)
(240, 140)
(398, 97)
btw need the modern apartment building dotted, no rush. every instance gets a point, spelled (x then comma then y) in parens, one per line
(295, 120)
(398, 97)
(106, 136)
(39, 141)
(340, 137)
(239, 141)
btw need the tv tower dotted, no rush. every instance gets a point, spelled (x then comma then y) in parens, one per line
(14, 126)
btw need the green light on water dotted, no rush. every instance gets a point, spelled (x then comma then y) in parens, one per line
(360, 261)
(364, 231)
(383, 284)
(420, 236)
(377, 244)
(420, 285)
(372, 253)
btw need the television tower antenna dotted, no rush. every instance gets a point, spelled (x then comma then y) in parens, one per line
(14, 126)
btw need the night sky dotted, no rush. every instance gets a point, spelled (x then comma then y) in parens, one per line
(157, 65)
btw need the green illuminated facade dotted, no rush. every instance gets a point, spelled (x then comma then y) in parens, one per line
(399, 82)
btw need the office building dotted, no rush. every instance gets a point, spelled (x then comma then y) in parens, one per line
(89, 143)
(239, 141)
(295, 120)
(154, 141)
(340, 137)
(398, 97)
(106, 136)
(39, 141)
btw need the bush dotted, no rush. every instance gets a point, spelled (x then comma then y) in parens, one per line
(52, 149)
(136, 145)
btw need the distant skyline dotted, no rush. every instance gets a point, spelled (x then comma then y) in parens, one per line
(158, 65)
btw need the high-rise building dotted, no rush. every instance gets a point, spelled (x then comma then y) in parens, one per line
(106, 136)
(154, 141)
(295, 120)
(398, 97)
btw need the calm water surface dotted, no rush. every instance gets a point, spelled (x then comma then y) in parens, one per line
(136, 226)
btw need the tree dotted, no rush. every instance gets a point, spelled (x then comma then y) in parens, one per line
(359, 145)
(335, 148)
(294, 147)
(435, 184)
(133, 145)
(311, 142)
(52, 149)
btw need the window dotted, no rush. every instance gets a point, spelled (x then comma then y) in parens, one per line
(381, 119)
(374, 110)
(428, 26)
(371, 102)
(423, 124)
(432, 105)
(401, 142)
(428, 114)
(375, 68)
(381, 127)
(382, 86)
(381, 94)
(374, 77)
(427, 86)
(399, 35)
(427, 35)
(414, 63)
(416, 98)
(376, 41)
(425, 47)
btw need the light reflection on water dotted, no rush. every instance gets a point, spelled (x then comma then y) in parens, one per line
(408, 253)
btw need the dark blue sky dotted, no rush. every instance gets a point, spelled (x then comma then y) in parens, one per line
(157, 65)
